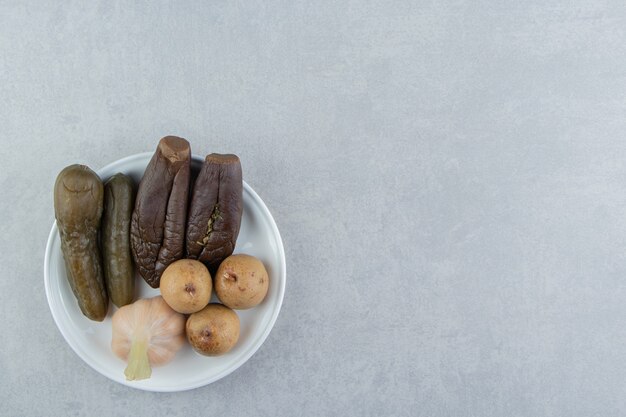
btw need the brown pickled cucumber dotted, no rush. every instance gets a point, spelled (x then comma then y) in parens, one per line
(119, 275)
(157, 230)
(78, 205)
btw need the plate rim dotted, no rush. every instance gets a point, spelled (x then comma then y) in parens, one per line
(247, 354)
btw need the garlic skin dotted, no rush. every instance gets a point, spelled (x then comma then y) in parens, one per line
(146, 333)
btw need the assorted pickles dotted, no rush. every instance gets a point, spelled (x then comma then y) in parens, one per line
(107, 232)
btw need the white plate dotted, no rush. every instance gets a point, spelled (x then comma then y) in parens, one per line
(91, 340)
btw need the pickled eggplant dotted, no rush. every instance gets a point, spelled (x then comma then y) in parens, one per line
(215, 210)
(119, 275)
(78, 205)
(158, 220)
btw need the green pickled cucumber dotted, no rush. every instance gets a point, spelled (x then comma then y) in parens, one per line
(78, 205)
(118, 265)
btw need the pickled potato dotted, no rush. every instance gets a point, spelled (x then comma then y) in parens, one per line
(186, 286)
(213, 330)
(241, 281)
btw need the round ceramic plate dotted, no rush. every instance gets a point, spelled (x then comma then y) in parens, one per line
(91, 340)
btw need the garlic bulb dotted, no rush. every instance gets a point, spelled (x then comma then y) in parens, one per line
(146, 332)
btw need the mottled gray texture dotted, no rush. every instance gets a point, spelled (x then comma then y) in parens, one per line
(449, 178)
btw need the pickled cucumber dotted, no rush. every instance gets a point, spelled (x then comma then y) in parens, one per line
(115, 237)
(78, 205)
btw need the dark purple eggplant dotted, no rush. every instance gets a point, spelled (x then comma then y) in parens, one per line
(215, 210)
(158, 221)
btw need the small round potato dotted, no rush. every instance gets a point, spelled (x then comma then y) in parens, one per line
(241, 281)
(186, 286)
(213, 330)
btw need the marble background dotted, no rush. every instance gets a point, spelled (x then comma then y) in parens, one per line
(448, 178)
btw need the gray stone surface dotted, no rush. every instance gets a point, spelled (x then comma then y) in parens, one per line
(449, 179)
